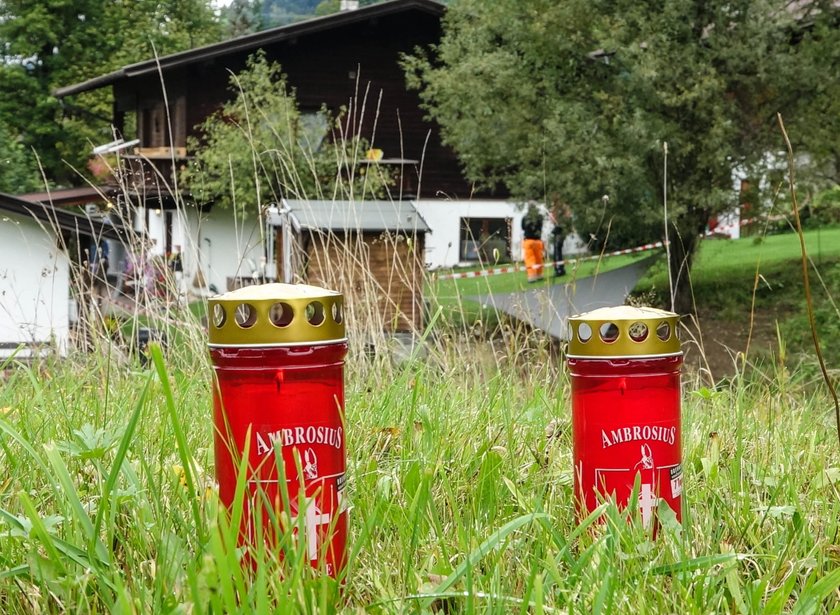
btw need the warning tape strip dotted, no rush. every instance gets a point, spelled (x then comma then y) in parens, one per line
(517, 267)
(482, 273)
(744, 222)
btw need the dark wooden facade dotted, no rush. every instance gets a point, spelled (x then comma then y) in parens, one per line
(338, 61)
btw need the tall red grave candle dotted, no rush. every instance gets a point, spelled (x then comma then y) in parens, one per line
(278, 355)
(625, 373)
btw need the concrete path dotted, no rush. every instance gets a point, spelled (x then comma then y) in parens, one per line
(547, 308)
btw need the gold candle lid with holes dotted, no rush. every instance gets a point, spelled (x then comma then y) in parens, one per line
(623, 332)
(276, 315)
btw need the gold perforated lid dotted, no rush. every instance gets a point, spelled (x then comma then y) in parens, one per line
(623, 332)
(276, 315)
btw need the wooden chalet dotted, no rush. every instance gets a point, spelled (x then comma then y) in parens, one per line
(329, 61)
(334, 61)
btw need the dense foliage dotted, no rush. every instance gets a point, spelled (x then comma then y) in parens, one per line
(812, 71)
(47, 45)
(567, 102)
(18, 167)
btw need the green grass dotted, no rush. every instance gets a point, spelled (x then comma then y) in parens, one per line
(722, 276)
(460, 488)
(723, 279)
(452, 295)
(724, 270)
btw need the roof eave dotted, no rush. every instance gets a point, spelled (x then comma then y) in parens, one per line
(64, 220)
(250, 41)
(91, 84)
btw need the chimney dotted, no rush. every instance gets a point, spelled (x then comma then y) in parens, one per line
(349, 5)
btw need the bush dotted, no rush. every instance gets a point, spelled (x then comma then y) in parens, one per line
(260, 147)
(826, 207)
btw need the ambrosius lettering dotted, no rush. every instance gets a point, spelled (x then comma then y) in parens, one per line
(610, 437)
(290, 436)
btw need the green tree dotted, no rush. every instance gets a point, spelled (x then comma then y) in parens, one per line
(570, 101)
(259, 148)
(51, 44)
(18, 167)
(327, 7)
(243, 17)
(814, 70)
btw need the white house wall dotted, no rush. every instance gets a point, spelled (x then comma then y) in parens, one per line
(156, 230)
(444, 220)
(214, 242)
(34, 287)
(222, 247)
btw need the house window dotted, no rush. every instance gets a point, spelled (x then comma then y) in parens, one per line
(485, 239)
(313, 129)
(154, 129)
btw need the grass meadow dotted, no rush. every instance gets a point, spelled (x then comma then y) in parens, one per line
(460, 485)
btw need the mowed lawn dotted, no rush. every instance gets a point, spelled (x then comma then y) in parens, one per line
(452, 296)
(720, 261)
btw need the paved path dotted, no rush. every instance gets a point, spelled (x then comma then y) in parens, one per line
(547, 308)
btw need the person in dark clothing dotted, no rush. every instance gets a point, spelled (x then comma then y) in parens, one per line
(558, 236)
(532, 245)
(561, 217)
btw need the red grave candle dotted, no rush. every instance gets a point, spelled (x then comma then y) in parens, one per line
(625, 374)
(278, 355)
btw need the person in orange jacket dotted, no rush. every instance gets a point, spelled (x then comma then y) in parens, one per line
(533, 248)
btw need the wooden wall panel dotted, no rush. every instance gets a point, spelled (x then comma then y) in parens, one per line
(381, 276)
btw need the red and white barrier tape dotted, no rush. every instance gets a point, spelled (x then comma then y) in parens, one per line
(744, 222)
(516, 267)
(481, 273)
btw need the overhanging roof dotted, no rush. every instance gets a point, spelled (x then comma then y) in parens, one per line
(70, 197)
(357, 216)
(253, 41)
(53, 218)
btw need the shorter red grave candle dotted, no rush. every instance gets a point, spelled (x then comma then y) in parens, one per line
(625, 373)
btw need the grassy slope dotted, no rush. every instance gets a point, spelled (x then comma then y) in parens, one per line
(725, 270)
(460, 483)
(724, 275)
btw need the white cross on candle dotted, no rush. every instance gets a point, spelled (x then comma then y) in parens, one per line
(313, 520)
(647, 502)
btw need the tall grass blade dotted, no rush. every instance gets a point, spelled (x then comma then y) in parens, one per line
(71, 496)
(807, 281)
(119, 458)
(40, 532)
(15, 435)
(180, 439)
(17, 571)
(810, 600)
(696, 563)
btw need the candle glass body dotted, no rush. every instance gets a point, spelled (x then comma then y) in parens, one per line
(284, 405)
(626, 426)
